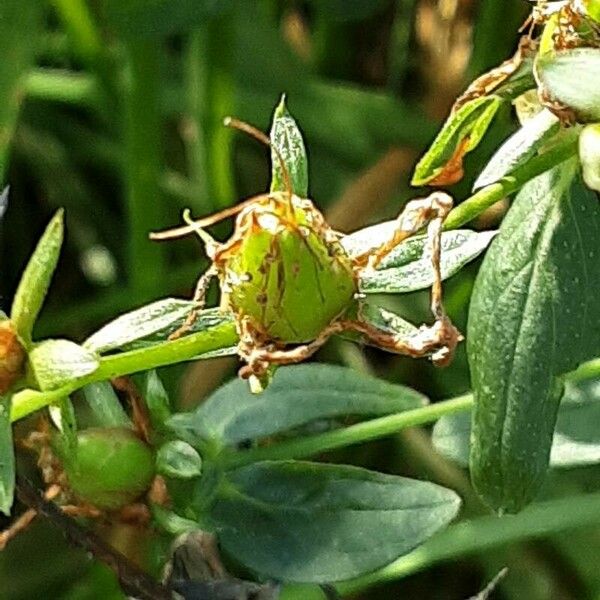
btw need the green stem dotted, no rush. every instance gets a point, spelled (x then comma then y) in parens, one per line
(374, 428)
(361, 432)
(167, 353)
(81, 28)
(146, 263)
(477, 535)
(210, 98)
(480, 201)
(88, 44)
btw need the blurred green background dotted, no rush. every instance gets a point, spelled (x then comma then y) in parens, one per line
(113, 109)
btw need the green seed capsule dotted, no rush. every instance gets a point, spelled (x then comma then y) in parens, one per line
(285, 271)
(110, 468)
(589, 155)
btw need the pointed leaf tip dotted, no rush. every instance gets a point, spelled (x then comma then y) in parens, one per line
(36, 278)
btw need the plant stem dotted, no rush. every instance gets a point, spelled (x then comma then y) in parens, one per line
(477, 535)
(210, 98)
(186, 348)
(374, 428)
(81, 29)
(361, 432)
(88, 44)
(484, 198)
(145, 264)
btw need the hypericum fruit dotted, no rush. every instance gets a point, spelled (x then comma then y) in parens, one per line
(291, 285)
(12, 356)
(109, 468)
(589, 155)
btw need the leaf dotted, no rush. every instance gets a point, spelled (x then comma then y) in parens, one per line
(519, 148)
(56, 362)
(7, 456)
(287, 138)
(408, 267)
(565, 77)
(451, 437)
(309, 522)
(150, 324)
(463, 130)
(35, 280)
(63, 416)
(156, 399)
(160, 17)
(533, 317)
(171, 522)
(386, 321)
(18, 53)
(298, 395)
(576, 440)
(178, 459)
(105, 405)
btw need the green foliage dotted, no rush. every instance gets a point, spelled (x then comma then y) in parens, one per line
(576, 440)
(286, 137)
(104, 405)
(564, 76)
(462, 132)
(110, 115)
(160, 17)
(18, 52)
(519, 148)
(408, 267)
(298, 395)
(55, 361)
(299, 521)
(7, 456)
(150, 324)
(35, 281)
(533, 317)
(178, 459)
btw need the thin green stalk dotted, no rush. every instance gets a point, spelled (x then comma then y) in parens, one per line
(477, 535)
(145, 260)
(210, 98)
(87, 42)
(167, 353)
(20, 26)
(361, 432)
(81, 28)
(374, 428)
(480, 201)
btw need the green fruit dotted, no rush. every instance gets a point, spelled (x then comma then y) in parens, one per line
(288, 275)
(110, 468)
(589, 155)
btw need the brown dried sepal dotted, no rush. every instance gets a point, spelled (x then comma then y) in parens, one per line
(12, 356)
(492, 80)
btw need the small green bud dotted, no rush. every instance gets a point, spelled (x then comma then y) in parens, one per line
(110, 468)
(589, 155)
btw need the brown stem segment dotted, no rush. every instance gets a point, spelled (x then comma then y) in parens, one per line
(132, 579)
